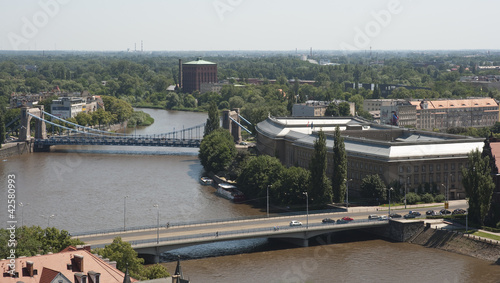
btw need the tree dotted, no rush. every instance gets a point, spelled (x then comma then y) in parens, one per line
(125, 257)
(213, 120)
(339, 177)
(320, 191)
(332, 110)
(344, 109)
(35, 240)
(217, 150)
(2, 128)
(373, 187)
(478, 185)
(155, 271)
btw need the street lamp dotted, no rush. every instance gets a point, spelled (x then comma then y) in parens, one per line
(268, 200)
(22, 212)
(347, 193)
(158, 223)
(48, 219)
(307, 209)
(391, 189)
(407, 179)
(124, 211)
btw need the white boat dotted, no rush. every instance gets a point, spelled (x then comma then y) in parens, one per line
(230, 192)
(206, 181)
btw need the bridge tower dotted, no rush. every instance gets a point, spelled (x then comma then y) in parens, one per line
(229, 125)
(40, 127)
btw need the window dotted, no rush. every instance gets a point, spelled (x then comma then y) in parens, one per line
(408, 169)
(453, 166)
(423, 168)
(423, 179)
(438, 178)
(415, 169)
(431, 178)
(431, 168)
(438, 167)
(401, 170)
(445, 166)
(416, 179)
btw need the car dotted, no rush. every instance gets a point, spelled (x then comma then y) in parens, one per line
(243, 143)
(409, 215)
(342, 221)
(416, 213)
(458, 211)
(383, 217)
(430, 212)
(373, 216)
(295, 223)
(444, 212)
(394, 215)
(328, 220)
(347, 218)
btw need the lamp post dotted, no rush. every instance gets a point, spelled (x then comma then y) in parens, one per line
(407, 179)
(124, 211)
(268, 200)
(391, 189)
(445, 200)
(22, 212)
(347, 193)
(48, 219)
(157, 223)
(307, 209)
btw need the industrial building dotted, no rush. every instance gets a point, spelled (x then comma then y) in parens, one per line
(193, 74)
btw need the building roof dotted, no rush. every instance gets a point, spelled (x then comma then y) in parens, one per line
(495, 152)
(410, 144)
(64, 263)
(457, 103)
(199, 61)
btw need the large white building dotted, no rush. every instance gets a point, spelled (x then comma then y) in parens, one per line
(68, 107)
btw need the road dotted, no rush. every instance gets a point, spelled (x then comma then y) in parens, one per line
(281, 222)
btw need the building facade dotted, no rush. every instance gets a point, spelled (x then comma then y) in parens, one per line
(195, 73)
(68, 107)
(415, 159)
(313, 108)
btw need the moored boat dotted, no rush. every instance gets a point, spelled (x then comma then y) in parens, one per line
(206, 181)
(230, 192)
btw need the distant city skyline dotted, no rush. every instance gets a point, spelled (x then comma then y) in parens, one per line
(207, 25)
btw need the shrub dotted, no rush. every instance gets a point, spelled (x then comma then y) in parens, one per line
(427, 198)
(439, 198)
(412, 198)
(498, 225)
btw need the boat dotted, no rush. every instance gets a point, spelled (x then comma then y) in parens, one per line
(230, 192)
(206, 181)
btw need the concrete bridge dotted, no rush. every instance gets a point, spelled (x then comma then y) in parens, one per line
(150, 243)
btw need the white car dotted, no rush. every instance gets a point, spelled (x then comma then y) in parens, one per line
(295, 223)
(373, 216)
(383, 217)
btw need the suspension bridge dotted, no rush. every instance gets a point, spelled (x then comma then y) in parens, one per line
(67, 133)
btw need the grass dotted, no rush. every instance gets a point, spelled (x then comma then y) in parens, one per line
(486, 235)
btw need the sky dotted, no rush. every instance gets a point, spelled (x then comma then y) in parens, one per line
(206, 25)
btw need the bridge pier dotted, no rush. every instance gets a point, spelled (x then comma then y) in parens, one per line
(40, 127)
(233, 128)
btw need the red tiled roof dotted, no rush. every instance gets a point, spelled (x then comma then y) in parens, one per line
(495, 152)
(47, 275)
(58, 263)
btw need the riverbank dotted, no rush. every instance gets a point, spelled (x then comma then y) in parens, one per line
(460, 243)
(14, 149)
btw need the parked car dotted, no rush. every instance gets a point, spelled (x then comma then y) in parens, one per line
(394, 215)
(295, 223)
(430, 212)
(416, 213)
(409, 215)
(328, 220)
(341, 221)
(347, 218)
(458, 211)
(383, 217)
(444, 212)
(373, 216)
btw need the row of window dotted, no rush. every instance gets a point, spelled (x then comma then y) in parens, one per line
(431, 178)
(429, 167)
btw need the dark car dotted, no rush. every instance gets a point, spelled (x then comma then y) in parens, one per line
(328, 220)
(341, 221)
(430, 212)
(416, 213)
(458, 211)
(444, 212)
(394, 215)
(409, 215)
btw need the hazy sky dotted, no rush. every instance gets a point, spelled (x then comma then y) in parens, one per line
(172, 25)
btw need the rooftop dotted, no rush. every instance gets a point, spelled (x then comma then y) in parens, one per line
(199, 61)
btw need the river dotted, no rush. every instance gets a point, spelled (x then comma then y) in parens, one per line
(94, 188)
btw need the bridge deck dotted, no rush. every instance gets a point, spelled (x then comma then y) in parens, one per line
(119, 141)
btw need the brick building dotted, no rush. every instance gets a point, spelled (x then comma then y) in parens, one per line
(193, 74)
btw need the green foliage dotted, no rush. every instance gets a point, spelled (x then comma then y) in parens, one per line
(2, 128)
(373, 187)
(412, 198)
(217, 150)
(35, 240)
(155, 271)
(320, 190)
(140, 118)
(120, 109)
(125, 257)
(339, 177)
(213, 120)
(427, 198)
(478, 185)
(439, 198)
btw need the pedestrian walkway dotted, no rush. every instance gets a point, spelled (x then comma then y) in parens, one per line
(460, 202)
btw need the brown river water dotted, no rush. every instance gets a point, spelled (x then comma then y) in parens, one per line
(83, 189)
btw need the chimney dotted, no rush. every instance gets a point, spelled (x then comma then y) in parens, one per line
(180, 74)
(112, 264)
(29, 268)
(77, 263)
